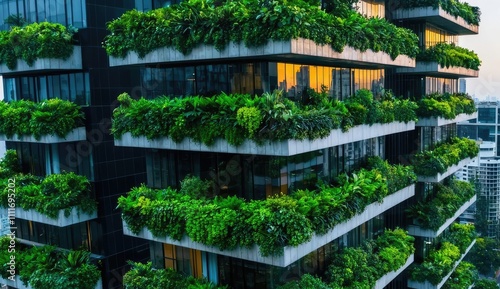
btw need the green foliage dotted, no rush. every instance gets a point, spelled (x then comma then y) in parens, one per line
(438, 264)
(9, 165)
(358, 268)
(445, 105)
(306, 281)
(485, 284)
(450, 55)
(444, 255)
(196, 22)
(269, 117)
(464, 276)
(143, 276)
(45, 267)
(443, 155)
(49, 117)
(485, 255)
(34, 41)
(16, 20)
(272, 224)
(433, 211)
(54, 193)
(470, 14)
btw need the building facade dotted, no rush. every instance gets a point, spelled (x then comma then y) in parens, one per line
(251, 171)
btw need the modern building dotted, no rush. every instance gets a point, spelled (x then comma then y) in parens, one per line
(484, 169)
(252, 170)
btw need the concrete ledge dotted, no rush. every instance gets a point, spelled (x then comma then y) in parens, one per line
(300, 49)
(435, 69)
(282, 148)
(428, 285)
(291, 254)
(439, 177)
(438, 17)
(420, 232)
(60, 221)
(19, 284)
(387, 278)
(77, 134)
(74, 62)
(439, 121)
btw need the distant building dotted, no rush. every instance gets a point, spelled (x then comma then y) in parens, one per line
(462, 85)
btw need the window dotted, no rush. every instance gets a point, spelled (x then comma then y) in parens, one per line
(74, 87)
(66, 12)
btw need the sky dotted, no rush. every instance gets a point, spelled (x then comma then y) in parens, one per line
(487, 45)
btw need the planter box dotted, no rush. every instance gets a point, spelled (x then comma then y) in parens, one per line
(428, 285)
(77, 134)
(60, 221)
(291, 254)
(281, 148)
(417, 231)
(295, 49)
(451, 170)
(74, 62)
(439, 121)
(435, 69)
(387, 278)
(438, 17)
(19, 284)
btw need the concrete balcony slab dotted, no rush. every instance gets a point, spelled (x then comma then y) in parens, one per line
(436, 70)
(77, 134)
(61, 221)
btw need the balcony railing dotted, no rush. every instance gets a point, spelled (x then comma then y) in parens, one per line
(435, 69)
(441, 176)
(61, 220)
(281, 148)
(439, 17)
(428, 285)
(77, 134)
(74, 62)
(415, 230)
(439, 121)
(387, 278)
(291, 254)
(278, 50)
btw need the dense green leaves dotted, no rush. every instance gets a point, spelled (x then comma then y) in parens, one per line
(270, 117)
(470, 14)
(485, 284)
(485, 255)
(463, 277)
(433, 211)
(443, 256)
(450, 55)
(49, 117)
(272, 224)
(359, 268)
(34, 41)
(196, 22)
(49, 195)
(143, 276)
(46, 268)
(441, 156)
(445, 105)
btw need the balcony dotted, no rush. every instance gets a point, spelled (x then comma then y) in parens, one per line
(437, 17)
(428, 285)
(441, 176)
(281, 148)
(77, 134)
(18, 284)
(43, 65)
(61, 220)
(291, 254)
(387, 278)
(439, 121)
(436, 70)
(301, 49)
(420, 232)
